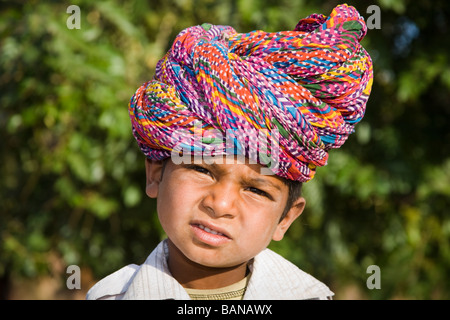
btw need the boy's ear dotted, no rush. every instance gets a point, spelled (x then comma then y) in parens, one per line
(293, 213)
(153, 170)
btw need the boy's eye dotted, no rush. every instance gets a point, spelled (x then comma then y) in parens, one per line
(260, 192)
(198, 169)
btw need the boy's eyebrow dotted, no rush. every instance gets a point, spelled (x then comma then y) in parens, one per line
(250, 180)
(263, 181)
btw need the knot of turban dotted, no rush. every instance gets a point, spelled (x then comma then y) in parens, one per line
(310, 86)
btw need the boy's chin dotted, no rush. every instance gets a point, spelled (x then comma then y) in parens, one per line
(217, 262)
(205, 256)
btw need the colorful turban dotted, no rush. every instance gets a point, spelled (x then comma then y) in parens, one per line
(305, 89)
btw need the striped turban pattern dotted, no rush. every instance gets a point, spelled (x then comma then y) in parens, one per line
(308, 86)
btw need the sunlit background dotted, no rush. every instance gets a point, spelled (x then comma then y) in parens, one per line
(72, 177)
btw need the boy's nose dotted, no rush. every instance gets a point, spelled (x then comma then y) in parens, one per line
(221, 200)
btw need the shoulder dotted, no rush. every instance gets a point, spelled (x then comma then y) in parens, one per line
(114, 286)
(287, 281)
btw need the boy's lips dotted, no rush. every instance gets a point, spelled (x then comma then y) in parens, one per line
(210, 233)
(211, 228)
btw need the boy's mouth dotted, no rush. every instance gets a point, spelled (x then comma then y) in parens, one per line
(210, 234)
(210, 230)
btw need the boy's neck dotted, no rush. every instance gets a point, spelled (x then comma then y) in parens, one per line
(195, 276)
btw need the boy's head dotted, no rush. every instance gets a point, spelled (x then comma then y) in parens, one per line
(221, 215)
(302, 90)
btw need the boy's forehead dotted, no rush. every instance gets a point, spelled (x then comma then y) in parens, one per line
(221, 161)
(231, 163)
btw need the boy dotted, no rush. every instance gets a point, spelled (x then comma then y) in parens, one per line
(220, 207)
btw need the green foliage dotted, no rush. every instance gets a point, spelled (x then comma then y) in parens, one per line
(73, 178)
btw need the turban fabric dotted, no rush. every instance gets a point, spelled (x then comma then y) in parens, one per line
(309, 85)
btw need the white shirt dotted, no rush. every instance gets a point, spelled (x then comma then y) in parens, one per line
(272, 278)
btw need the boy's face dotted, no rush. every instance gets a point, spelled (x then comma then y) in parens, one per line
(219, 215)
